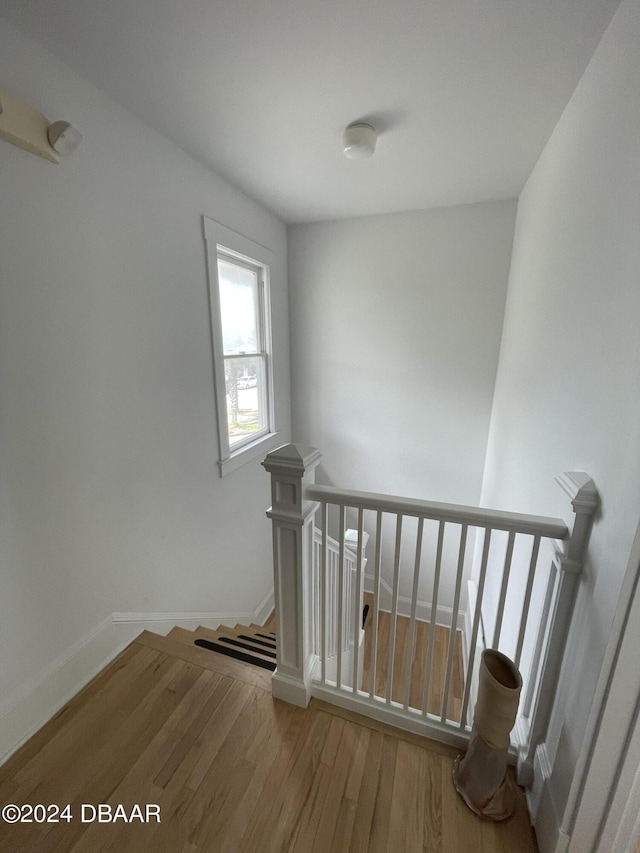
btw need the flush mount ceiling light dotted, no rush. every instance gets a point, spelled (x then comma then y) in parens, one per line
(359, 141)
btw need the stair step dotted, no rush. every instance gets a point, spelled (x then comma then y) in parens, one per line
(263, 640)
(206, 633)
(237, 654)
(268, 638)
(181, 635)
(248, 646)
(259, 640)
(229, 632)
(219, 636)
(263, 628)
(221, 664)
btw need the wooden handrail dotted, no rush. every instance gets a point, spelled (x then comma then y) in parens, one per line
(537, 525)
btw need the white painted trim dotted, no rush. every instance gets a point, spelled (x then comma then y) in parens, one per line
(541, 773)
(296, 691)
(543, 807)
(538, 525)
(393, 715)
(249, 452)
(467, 630)
(217, 238)
(43, 696)
(264, 609)
(593, 782)
(423, 608)
(27, 710)
(162, 623)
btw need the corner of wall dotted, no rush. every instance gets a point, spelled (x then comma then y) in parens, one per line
(43, 695)
(22, 714)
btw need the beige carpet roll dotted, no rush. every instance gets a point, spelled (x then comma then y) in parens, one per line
(480, 776)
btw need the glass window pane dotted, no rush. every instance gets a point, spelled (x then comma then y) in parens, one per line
(238, 307)
(245, 394)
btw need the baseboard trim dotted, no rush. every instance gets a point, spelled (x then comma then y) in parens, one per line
(423, 608)
(390, 715)
(41, 697)
(264, 609)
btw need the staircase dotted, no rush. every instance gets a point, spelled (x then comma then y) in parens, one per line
(244, 652)
(252, 645)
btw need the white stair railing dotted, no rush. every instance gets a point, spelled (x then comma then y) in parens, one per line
(319, 598)
(331, 548)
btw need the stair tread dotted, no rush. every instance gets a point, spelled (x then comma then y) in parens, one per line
(214, 633)
(204, 658)
(181, 635)
(233, 632)
(229, 632)
(215, 636)
(258, 640)
(231, 650)
(248, 646)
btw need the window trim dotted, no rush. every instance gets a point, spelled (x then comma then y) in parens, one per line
(219, 238)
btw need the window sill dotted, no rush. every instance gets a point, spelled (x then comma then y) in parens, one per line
(250, 452)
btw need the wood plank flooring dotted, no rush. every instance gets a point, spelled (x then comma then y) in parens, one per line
(233, 770)
(418, 663)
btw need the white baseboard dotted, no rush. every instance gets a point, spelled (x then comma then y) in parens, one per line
(264, 609)
(162, 623)
(392, 715)
(43, 696)
(23, 713)
(423, 608)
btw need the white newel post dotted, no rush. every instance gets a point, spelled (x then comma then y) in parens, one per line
(569, 563)
(292, 469)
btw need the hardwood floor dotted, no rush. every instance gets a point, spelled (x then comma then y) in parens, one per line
(232, 769)
(418, 665)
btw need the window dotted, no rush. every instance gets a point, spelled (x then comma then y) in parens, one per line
(241, 336)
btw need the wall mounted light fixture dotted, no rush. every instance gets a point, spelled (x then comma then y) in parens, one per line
(22, 125)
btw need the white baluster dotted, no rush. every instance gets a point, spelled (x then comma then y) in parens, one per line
(454, 622)
(394, 609)
(412, 620)
(432, 623)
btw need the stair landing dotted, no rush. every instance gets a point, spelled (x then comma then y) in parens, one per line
(199, 735)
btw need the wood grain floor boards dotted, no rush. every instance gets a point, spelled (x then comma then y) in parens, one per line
(235, 771)
(415, 664)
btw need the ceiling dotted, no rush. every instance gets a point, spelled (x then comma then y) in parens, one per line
(463, 93)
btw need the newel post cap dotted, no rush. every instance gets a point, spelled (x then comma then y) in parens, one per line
(292, 459)
(581, 490)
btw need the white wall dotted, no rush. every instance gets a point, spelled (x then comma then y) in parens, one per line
(109, 487)
(395, 330)
(567, 391)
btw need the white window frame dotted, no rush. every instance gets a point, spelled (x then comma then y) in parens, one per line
(219, 238)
